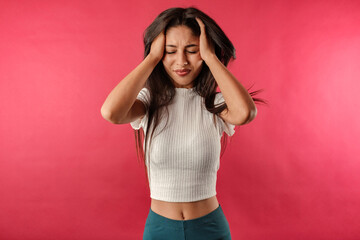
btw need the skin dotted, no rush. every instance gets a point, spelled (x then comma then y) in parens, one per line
(241, 108)
(174, 58)
(238, 100)
(178, 52)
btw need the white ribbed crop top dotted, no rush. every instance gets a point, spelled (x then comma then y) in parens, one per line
(185, 156)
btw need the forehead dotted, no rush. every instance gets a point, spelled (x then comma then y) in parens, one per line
(180, 35)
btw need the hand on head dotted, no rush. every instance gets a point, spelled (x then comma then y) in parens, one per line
(158, 46)
(206, 47)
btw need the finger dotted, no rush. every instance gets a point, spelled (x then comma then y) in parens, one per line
(199, 21)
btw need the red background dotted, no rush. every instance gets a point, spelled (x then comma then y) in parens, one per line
(66, 173)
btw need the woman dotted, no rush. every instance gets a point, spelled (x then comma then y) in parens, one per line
(171, 95)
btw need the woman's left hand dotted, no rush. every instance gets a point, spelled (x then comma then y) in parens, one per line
(206, 48)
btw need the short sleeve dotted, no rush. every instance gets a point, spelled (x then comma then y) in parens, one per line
(226, 127)
(144, 97)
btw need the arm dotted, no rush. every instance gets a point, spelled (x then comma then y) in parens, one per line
(120, 105)
(120, 100)
(241, 108)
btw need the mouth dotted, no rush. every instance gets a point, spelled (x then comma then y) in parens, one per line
(182, 72)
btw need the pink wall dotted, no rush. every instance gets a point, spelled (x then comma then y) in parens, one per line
(66, 173)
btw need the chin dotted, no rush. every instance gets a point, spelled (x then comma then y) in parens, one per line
(182, 83)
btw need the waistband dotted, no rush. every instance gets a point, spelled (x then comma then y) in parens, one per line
(180, 224)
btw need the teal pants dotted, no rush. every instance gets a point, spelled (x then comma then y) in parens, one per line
(212, 226)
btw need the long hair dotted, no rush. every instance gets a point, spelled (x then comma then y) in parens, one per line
(159, 84)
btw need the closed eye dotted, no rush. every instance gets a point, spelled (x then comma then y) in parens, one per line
(175, 52)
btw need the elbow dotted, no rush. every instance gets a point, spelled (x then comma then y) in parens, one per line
(246, 117)
(251, 114)
(108, 116)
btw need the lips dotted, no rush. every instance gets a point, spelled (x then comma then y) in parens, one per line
(182, 72)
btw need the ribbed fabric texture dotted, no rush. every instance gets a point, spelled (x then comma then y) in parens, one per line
(184, 154)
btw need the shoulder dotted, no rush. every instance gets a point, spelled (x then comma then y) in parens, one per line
(144, 96)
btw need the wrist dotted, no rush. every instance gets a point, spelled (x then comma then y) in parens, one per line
(155, 60)
(210, 58)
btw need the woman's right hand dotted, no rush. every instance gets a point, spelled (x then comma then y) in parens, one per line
(157, 46)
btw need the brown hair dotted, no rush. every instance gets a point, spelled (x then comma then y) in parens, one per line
(160, 86)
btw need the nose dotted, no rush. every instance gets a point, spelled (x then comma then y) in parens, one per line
(181, 59)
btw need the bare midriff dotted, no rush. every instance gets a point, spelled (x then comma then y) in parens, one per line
(184, 210)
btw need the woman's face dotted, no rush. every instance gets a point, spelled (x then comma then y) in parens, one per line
(182, 47)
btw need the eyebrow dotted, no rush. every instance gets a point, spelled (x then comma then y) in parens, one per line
(190, 45)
